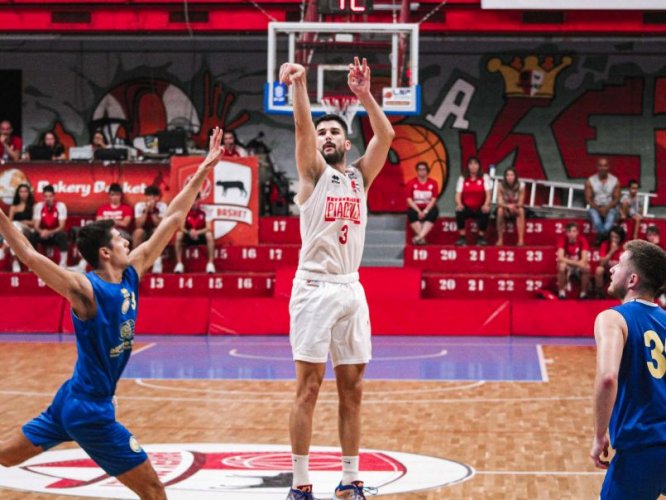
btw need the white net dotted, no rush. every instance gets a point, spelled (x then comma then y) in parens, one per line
(343, 106)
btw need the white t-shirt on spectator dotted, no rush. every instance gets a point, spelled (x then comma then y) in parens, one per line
(487, 183)
(140, 208)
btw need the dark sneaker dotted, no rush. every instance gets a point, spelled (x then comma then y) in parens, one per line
(461, 242)
(353, 491)
(481, 241)
(301, 493)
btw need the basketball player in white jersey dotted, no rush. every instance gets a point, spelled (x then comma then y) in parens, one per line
(328, 309)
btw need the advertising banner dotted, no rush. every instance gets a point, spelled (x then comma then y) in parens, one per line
(230, 196)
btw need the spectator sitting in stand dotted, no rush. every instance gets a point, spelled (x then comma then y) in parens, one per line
(573, 257)
(609, 254)
(422, 212)
(473, 200)
(49, 217)
(630, 207)
(147, 216)
(58, 150)
(10, 144)
(511, 205)
(197, 230)
(21, 213)
(230, 147)
(602, 193)
(117, 211)
(98, 141)
(653, 236)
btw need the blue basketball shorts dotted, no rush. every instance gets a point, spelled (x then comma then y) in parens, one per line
(93, 426)
(638, 474)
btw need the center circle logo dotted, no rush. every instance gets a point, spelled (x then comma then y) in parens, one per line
(231, 471)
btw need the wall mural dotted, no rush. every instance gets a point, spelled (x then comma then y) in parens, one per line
(549, 110)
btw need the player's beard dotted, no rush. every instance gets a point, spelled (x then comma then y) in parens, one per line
(333, 158)
(617, 290)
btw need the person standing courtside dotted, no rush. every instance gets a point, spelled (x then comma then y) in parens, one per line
(602, 194)
(630, 383)
(104, 306)
(328, 308)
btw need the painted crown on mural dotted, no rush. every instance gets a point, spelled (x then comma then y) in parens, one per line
(529, 77)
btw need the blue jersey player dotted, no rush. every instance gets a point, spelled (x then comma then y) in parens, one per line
(104, 309)
(630, 385)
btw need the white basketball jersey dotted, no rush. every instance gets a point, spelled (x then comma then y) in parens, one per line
(333, 221)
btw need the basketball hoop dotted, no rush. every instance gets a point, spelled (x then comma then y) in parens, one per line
(345, 106)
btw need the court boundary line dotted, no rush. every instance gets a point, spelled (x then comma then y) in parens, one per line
(540, 473)
(142, 383)
(542, 363)
(143, 348)
(321, 401)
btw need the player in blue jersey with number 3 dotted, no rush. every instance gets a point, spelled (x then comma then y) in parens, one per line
(104, 310)
(630, 385)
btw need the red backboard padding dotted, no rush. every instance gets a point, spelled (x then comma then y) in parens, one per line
(31, 314)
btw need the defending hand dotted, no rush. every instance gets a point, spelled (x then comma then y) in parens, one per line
(214, 148)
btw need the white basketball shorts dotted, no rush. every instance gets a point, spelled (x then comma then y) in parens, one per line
(329, 316)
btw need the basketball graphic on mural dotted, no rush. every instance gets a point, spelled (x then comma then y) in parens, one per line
(412, 144)
(9, 181)
(142, 108)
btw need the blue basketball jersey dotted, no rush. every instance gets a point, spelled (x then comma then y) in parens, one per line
(639, 415)
(104, 342)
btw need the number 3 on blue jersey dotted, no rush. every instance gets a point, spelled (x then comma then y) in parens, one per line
(657, 365)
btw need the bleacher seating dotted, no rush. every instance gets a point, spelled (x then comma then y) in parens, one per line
(250, 292)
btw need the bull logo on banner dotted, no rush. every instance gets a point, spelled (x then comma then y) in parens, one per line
(229, 196)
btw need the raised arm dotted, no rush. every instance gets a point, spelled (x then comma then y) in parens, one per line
(372, 162)
(72, 286)
(617, 194)
(309, 161)
(610, 332)
(143, 256)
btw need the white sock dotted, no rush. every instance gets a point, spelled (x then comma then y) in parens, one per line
(349, 469)
(300, 465)
(63, 259)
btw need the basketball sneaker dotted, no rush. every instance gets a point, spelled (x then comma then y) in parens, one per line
(157, 266)
(301, 493)
(210, 268)
(16, 267)
(179, 269)
(353, 491)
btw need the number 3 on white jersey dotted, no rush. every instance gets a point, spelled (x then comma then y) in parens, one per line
(343, 234)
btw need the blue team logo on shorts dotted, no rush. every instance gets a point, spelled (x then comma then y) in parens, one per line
(134, 444)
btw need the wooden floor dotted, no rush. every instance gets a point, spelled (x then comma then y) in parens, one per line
(525, 440)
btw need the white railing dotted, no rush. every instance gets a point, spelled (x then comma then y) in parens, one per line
(570, 188)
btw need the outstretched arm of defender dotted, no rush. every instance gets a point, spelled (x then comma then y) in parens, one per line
(143, 256)
(309, 162)
(372, 162)
(73, 286)
(610, 332)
